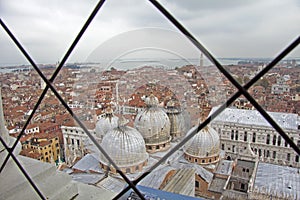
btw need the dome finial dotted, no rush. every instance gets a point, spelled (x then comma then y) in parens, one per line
(122, 121)
(151, 100)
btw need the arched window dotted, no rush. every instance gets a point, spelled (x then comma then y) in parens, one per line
(245, 136)
(254, 137)
(268, 139)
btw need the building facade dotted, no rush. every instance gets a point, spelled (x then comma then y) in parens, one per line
(237, 128)
(74, 138)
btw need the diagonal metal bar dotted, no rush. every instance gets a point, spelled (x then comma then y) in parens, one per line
(285, 52)
(39, 100)
(226, 74)
(217, 112)
(89, 20)
(49, 85)
(10, 152)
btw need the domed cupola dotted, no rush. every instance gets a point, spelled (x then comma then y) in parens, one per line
(105, 123)
(154, 125)
(126, 147)
(204, 147)
(179, 122)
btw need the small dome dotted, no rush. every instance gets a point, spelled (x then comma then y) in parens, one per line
(125, 146)
(106, 123)
(153, 123)
(206, 143)
(179, 120)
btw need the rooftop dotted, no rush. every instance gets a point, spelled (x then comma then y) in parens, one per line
(253, 117)
(278, 179)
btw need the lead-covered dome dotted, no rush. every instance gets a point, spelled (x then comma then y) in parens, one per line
(154, 125)
(126, 147)
(204, 147)
(106, 123)
(180, 121)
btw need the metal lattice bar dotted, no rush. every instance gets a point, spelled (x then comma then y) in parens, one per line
(226, 74)
(217, 112)
(49, 85)
(242, 90)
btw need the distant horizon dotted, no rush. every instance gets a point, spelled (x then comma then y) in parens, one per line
(265, 59)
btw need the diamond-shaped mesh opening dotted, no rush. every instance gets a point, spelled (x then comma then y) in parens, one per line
(240, 87)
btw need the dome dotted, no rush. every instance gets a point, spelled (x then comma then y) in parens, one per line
(106, 123)
(154, 125)
(205, 144)
(178, 119)
(125, 146)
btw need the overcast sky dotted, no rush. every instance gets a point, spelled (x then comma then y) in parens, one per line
(231, 28)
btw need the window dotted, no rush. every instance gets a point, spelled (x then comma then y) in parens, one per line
(279, 141)
(288, 157)
(274, 154)
(242, 186)
(197, 184)
(254, 137)
(245, 136)
(274, 140)
(268, 139)
(236, 135)
(297, 158)
(232, 134)
(222, 146)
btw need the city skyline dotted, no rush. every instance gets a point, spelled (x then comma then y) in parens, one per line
(231, 29)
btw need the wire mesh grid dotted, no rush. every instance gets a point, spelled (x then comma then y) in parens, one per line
(242, 90)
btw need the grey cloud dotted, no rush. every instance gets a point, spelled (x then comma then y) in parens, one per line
(47, 28)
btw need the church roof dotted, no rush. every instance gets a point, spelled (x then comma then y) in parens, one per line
(205, 143)
(153, 122)
(106, 123)
(125, 146)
